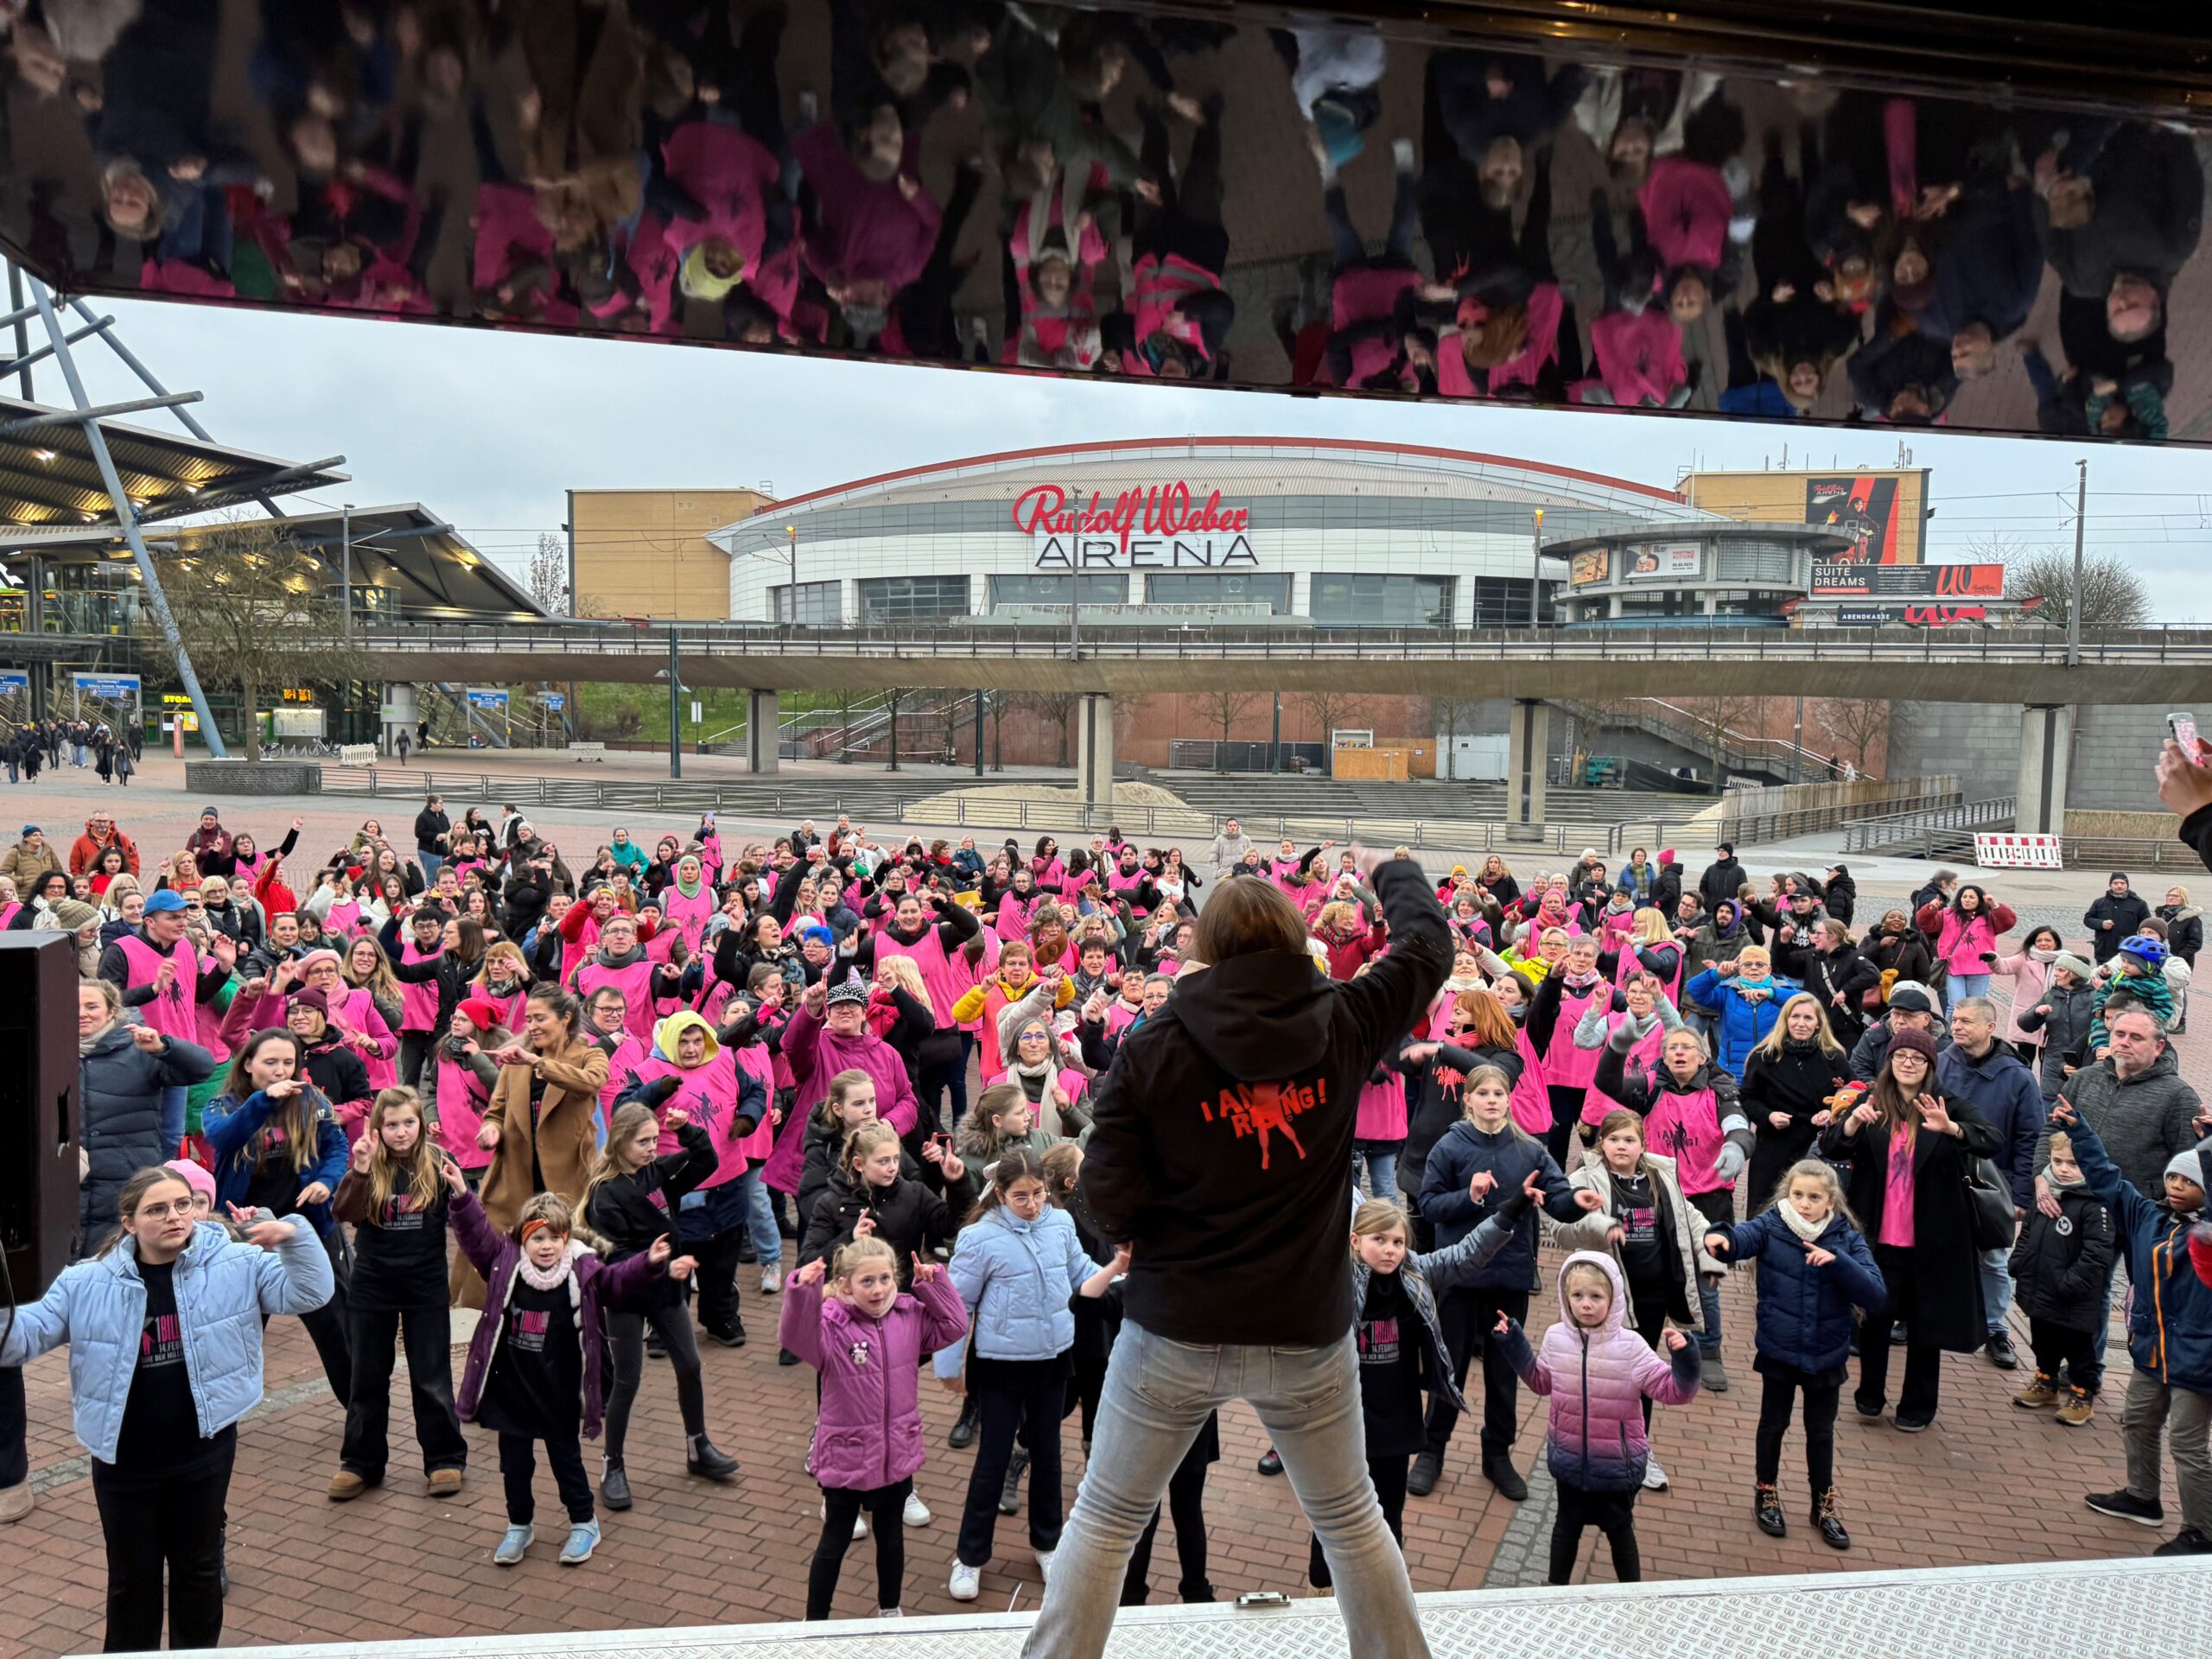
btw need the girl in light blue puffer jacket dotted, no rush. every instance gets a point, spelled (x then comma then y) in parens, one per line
(1016, 1265)
(165, 1331)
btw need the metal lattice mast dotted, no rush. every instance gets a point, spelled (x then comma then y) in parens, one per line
(88, 420)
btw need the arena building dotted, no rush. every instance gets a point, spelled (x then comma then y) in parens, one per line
(1339, 533)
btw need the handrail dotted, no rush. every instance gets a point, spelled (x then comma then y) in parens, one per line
(773, 805)
(1928, 825)
(2018, 647)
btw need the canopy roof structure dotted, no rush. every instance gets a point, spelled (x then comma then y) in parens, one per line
(50, 481)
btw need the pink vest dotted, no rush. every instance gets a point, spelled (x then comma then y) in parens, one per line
(209, 1023)
(927, 954)
(628, 1055)
(634, 981)
(687, 916)
(172, 1013)
(1014, 915)
(1645, 1054)
(1567, 1066)
(965, 975)
(511, 1008)
(1121, 1016)
(708, 1094)
(756, 1062)
(462, 1096)
(1532, 1100)
(419, 1004)
(344, 917)
(1686, 1128)
(355, 1011)
(1382, 1110)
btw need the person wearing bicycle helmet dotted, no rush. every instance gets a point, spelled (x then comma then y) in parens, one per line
(2139, 972)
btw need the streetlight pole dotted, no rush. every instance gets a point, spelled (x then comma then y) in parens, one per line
(2074, 600)
(674, 709)
(1536, 572)
(791, 531)
(346, 571)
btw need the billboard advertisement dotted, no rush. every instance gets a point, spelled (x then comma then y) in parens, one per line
(1592, 564)
(1663, 562)
(1862, 506)
(1911, 616)
(1908, 582)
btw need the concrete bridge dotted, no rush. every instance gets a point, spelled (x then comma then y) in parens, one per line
(2027, 667)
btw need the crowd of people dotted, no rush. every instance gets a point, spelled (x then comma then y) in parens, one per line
(26, 748)
(455, 1087)
(677, 170)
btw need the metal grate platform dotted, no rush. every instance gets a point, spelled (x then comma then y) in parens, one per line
(2145, 1610)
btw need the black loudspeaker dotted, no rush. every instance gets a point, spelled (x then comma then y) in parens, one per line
(38, 1108)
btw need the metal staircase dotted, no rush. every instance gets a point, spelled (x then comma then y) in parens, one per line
(1776, 758)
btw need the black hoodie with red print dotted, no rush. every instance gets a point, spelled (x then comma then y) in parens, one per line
(1222, 1136)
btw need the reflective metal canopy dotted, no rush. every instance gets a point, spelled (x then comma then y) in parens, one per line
(1982, 216)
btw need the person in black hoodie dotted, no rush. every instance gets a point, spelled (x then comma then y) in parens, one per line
(628, 1203)
(1723, 879)
(2116, 913)
(873, 1192)
(1224, 1129)
(1839, 894)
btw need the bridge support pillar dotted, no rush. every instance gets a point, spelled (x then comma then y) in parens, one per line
(1528, 755)
(763, 732)
(2046, 742)
(400, 712)
(1094, 749)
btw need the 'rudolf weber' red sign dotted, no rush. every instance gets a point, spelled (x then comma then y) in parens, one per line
(1150, 526)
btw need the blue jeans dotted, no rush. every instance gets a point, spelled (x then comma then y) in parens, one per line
(1158, 1395)
(760, 1218)
(430, 864)
(1963, 986)
(1381, 1173)
(1996, 1287)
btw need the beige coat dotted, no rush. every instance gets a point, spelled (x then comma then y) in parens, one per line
(562, 1135)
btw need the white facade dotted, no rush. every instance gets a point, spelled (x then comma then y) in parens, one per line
(1314, 528)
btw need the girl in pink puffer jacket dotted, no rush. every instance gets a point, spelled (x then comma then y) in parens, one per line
(1597, 1371)
(867, 1341)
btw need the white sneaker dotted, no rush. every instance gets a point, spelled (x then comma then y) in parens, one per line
(917, 1513)
(1045, 1563)
(771, 1279)
(891, 1612)
(1654, 1477)
(967, 1581)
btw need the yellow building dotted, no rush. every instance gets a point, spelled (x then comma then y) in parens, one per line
(1884, 508)
(644, 552)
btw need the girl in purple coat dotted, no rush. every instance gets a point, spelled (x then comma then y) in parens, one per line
(867, 1341)
(1596, 1371)
(533, 1371)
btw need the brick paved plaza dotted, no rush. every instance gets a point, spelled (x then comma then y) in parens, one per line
(1987, 1484)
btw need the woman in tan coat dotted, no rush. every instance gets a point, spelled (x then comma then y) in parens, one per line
(539, 1121)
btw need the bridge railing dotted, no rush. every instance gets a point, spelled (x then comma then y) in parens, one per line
(2106, 647)
(781, 805)
(1945, 831)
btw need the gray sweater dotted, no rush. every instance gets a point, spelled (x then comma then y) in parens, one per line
(2143, 1120)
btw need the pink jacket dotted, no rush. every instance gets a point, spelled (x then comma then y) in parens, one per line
(1596, 1381)
(869, 1433)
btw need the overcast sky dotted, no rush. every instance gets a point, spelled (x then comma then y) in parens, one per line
(489, 428)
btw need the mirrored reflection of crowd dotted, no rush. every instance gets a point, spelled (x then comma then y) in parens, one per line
(849, 175)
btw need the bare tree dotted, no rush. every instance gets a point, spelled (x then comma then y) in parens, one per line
(1445, 715)
(1057, 708)
(1331, 709)
(1855, 725)
(549, 575)
(2113, 595)
(1721, 719)
(891, 699)
(1223, 709)
(256, 611)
